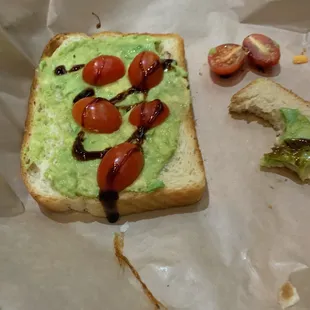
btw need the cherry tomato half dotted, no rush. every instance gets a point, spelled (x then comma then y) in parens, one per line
(149, 114)
(120, 167)
(263, 51)
(226, 59)
(145, 71)
(103, 70)
(97, 115)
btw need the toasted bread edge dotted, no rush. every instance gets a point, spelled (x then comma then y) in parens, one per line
(129, 202)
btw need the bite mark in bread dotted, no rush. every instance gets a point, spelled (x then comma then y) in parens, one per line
(267, 99)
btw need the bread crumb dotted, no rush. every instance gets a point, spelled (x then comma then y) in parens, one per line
(270, 206)
(288, 295)
(300, 59)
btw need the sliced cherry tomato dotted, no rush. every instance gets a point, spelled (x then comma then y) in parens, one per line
(149, 114)
(103, 70)
(120, 167)
(263, 51)
(226, 59)
(97, 115)
(145, 71)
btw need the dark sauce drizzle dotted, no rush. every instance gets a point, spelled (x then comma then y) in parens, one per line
(76, 68)
(123, 95)
(110, 205)
(106, 197)
(109, 198)
(87, 92)
(61, 70)
(167, 64)
(297, 144)
(139, 134)
(79, 152)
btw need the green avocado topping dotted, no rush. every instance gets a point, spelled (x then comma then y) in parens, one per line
(54, 129)
(293, 150)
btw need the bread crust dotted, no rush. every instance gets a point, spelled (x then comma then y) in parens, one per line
(235, 98)
(129, 202)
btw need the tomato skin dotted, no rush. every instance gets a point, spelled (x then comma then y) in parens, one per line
(103, 70)
(120, 167)
(262, 50)
(226, 59)
(142, 114)
(96, 115)
(145, 71)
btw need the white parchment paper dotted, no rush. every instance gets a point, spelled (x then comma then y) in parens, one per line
(234, 249)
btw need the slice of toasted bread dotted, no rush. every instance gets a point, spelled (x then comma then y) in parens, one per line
(265, 98)
(184, 174)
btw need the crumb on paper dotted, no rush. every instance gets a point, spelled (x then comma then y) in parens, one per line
(123, 260)
(271, 187)
(300, 59)
(270, 206)
(288, 295)
(200, 73)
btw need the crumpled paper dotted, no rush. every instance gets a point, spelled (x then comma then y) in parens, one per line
(234, 249)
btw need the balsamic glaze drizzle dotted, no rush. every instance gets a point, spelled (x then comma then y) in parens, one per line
(79, 152)
(61, 70)
(109, 198)
(110, 204)
(87, 92)
(138, 136)
(297, 144)
(167, 64)
(123, 95)
(76, 68)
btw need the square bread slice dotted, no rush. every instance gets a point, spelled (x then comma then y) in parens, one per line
(183, 175)
(264, 98)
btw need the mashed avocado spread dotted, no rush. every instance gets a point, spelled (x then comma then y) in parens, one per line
(54, 129)
(293, 150)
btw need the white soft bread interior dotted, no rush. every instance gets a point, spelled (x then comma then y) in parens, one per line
(264, 98)
(184, 174)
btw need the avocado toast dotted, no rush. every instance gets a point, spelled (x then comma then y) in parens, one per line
(288, 114)
(173, 172)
